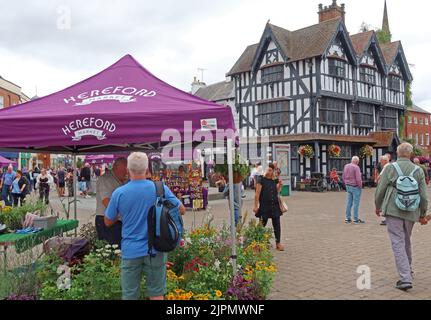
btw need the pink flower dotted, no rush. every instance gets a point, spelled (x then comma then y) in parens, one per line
(182, 243)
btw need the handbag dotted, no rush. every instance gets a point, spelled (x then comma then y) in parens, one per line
(283, 205)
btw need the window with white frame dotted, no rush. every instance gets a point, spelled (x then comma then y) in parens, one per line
(428, 139)
(422, 139)
(1, 102)
(426, 121)
(417, 138)
(421, 121)
(411, 136)
(416, 120)
(409, 119)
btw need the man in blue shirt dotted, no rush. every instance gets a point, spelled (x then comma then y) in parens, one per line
(5, 185)
(132, 202)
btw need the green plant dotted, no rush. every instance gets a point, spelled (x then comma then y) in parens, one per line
(240, 167)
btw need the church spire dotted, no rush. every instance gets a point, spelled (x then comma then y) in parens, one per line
(385, 26)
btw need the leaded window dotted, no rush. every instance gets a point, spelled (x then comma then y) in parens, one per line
(363, 115)
(332, 112)
(367, 75)
(274, 114)
(337, 68)
(388, 118)
(394, 82)
(272, 74)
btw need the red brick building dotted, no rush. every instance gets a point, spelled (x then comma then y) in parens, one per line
(418, 128)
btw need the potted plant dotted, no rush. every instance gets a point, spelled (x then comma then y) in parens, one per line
(306, 151)
(334, 151)
(241, 169)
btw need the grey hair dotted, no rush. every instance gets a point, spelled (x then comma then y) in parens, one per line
(355, 159)
(405, 150)
(385, 158)
(137, 163)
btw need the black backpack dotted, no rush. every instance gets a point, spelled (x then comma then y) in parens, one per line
(165, 224)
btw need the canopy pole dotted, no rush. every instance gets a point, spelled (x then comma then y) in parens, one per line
(232, 204)
(75, 211)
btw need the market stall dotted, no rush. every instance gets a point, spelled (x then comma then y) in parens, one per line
(121, 109)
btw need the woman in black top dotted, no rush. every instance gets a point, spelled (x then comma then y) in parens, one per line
(266, 202)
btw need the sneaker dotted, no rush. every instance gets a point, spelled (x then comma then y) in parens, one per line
(383, 223)
(348, 221)
(359, 222)
(404, 286)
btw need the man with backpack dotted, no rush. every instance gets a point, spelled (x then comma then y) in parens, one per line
(133, 202)
(401, 197)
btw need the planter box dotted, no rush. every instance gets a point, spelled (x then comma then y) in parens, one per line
(45, 222)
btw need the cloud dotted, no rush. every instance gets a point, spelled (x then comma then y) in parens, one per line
(173, 38)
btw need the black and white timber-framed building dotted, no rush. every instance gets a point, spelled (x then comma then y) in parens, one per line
(320, 86)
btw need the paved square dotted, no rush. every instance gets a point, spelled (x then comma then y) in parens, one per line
(323, 253)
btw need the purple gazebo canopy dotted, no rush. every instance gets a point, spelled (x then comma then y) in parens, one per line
(5, 162)
(122, 108)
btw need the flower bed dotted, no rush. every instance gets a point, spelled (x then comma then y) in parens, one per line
(199, 269)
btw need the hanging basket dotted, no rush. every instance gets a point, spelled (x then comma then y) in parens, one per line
(306, 151)
(366, 151)
(334, 151)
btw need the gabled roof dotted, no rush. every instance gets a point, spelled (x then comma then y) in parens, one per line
(361, 41)
(384, 139)
(296, 45)
(244, 62)
(393, 50)
(217, 91)
(390, 51)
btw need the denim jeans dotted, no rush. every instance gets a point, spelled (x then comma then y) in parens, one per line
(353, 199)
(237, 200)
(7, 195)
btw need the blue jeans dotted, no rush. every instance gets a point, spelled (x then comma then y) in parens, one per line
(6, 195)
(353, 199)
(237, 203)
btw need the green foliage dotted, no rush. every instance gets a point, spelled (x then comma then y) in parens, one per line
(201, 268)
(383, 36)
(401, 128)
(409, 95)
(416, 150)
(88, 231)
(13, 217)
(96, 278)
(240, 166)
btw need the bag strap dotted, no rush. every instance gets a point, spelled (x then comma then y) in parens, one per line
(398, 169)
(160, 189)
(413, 172)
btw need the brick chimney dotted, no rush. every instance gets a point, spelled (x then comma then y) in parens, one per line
(331, 12)
(196, 85)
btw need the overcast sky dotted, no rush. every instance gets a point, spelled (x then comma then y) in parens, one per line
(173, 38)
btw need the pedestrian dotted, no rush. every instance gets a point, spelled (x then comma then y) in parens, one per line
(86, 177)
(44, 181)
(133, 201)
(384, 161)
(6, 184)
(28, 175)
(253, 174)
(61, 181)
(400, 222)
(237, 198)
(106, 185)
(266, 203)
(417, 162)
(352, 178)
(36, 173)
(69, 182)
(19, 189)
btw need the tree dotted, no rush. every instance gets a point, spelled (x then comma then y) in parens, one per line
(383, 36)
(365, 27)
(79, 163)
